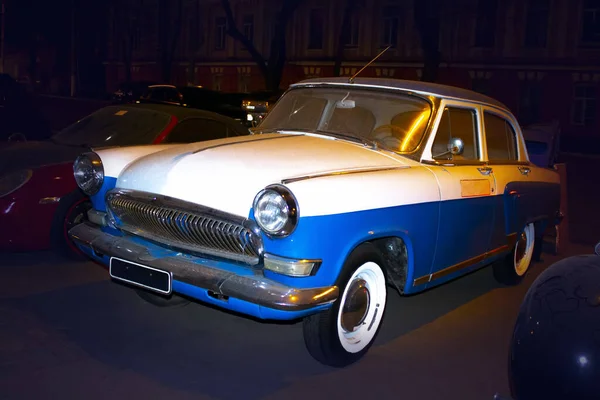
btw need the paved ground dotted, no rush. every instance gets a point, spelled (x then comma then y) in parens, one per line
(68, 332)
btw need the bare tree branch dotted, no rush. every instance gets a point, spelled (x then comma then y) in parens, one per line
(176, 31)
(127, 17)
(343, 34)
(234, 32)
(427, 18)
(271, 68)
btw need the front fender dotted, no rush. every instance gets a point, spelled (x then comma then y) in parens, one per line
(339, 212)
(332, 238)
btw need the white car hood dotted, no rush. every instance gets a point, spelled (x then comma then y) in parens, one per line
(227, 174)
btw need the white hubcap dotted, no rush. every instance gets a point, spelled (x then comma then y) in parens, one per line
(361, 309)
(524, 250)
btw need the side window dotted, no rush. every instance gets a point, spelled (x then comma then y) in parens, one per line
(159, 94)
(197, 130)
(150, 94)
(172, 95)
(457, 123)
(500, 137)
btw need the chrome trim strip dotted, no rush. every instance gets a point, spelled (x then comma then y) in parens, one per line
(341, 172)
(242, 142)
(293, 260)
(49, 200)
(186, 226)
(204, 273)
(511, 241)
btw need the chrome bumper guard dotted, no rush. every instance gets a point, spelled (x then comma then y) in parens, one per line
(253, 288)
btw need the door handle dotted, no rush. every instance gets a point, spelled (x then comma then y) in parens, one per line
(485, 170)
(525, 170)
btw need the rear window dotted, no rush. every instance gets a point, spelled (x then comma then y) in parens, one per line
(115, 126)
(536, 148)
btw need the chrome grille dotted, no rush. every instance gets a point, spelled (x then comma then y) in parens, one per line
(185, 226)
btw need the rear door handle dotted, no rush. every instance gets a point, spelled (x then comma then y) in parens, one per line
(485, 170)
(525, 170)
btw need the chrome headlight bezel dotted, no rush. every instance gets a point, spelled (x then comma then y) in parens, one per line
(290, 209)
(94, 163)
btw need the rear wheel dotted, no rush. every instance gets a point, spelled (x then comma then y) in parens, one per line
(512, 269)
(344, 333)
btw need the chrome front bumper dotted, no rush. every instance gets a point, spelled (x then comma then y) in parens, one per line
(254, 288)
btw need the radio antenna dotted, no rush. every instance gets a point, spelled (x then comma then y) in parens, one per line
(351, 80)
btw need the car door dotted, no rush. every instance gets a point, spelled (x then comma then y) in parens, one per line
(467, 189)
(192, 130)
(511, 171)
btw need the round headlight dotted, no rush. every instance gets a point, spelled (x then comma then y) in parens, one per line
(276, 210)
(89, 173)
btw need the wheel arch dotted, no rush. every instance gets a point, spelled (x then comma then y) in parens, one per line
(397, 252)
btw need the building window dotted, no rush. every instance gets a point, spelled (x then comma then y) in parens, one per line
(591, 22)
(351, 35)
(485, 27)
(316, 29)
(536, 26)
(220, 33)
(389, 26)
(243, 83)
(529, 102)
(217, 80)
(584, 104)
(248, 27)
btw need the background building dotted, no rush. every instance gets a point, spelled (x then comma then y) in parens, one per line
(540, 57)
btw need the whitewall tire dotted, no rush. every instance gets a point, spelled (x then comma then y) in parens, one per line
(512, 269)
(344, 333)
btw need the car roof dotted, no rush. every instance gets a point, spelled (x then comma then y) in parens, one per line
(179, 112)
(161, 85)
(182, 113)
(423, 88)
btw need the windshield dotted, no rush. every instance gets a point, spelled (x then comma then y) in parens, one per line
(115, 126)
(394, 121)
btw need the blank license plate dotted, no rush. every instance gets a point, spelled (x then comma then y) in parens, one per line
(140, 275)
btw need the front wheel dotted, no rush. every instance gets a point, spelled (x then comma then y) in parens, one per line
(72, 210)
(344, 333)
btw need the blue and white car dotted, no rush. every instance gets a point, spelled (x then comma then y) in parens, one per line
(346, 188)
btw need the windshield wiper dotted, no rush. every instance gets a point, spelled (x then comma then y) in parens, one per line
(356, 139)
(337, 135)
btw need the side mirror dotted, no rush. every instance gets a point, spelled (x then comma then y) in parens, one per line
(17, 137)
(456, 146)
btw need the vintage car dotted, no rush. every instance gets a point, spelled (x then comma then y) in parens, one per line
(346, 187)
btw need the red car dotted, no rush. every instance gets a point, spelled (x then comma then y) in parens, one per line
(39, 199)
